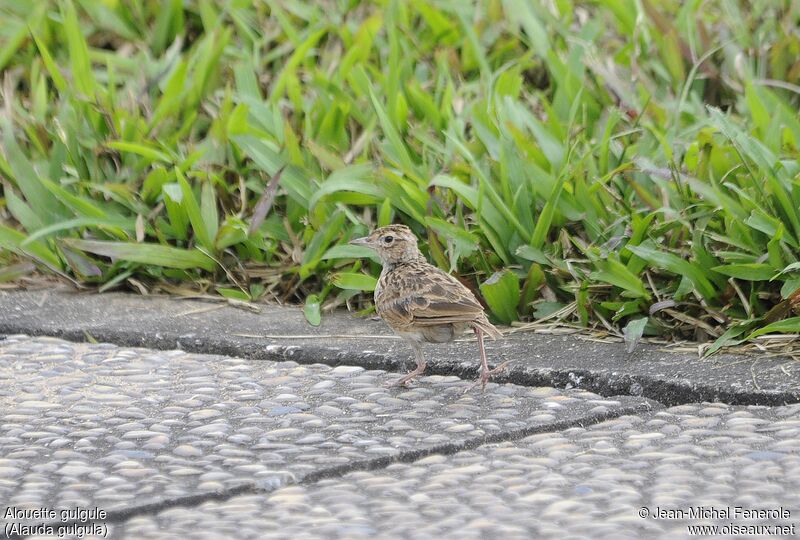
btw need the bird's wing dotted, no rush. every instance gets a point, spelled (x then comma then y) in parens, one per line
(428, 297)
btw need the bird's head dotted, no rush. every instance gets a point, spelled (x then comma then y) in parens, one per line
(393, 243)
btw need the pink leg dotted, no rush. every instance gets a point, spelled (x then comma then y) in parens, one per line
(484, 363)
(420, 358)
(485, 371)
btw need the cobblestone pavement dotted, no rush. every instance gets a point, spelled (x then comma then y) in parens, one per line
(583, 482)
(176, 445)
(132, 431)
(167, 444)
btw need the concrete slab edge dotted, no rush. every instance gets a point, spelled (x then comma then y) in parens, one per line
(669, 392)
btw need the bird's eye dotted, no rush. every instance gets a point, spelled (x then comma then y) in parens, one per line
(388, 239)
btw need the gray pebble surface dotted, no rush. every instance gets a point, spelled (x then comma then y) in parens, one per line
(584, 482)
(95, 425)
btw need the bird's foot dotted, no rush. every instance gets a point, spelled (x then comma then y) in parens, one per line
(486, 374)
(407, 378)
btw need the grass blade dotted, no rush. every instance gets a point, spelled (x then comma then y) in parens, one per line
(354, 281)
(501, 291)
(192, 209)
(158, 255)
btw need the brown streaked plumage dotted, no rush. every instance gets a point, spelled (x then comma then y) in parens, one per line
(420, 302)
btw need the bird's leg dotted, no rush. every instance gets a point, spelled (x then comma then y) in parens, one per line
(485, 371)
(420, 358)
(484, 363)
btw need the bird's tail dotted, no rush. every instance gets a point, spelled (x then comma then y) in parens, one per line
(488, 328)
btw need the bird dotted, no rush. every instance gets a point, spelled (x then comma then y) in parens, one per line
(422, 303)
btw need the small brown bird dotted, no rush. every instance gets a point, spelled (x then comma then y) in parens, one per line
(422, 303)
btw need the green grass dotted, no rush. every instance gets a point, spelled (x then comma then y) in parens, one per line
(596, 163)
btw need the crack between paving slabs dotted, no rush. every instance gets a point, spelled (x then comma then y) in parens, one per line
(447, 449)
(666, 392)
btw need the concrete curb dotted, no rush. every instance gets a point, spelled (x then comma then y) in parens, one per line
(281, 333)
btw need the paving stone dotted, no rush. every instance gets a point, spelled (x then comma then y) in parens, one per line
(178, 424)
(584, 482)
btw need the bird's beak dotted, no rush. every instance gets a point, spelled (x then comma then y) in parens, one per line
(363, 241)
